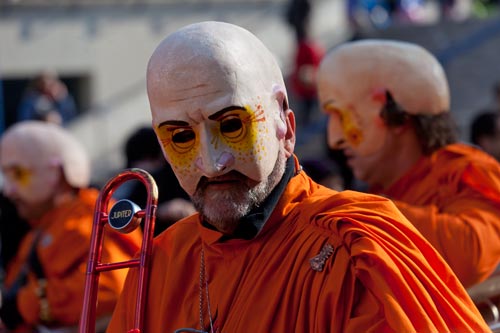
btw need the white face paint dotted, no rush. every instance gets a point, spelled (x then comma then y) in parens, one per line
(354, 119)
(216, 96)
(353, 79)
(30, 174)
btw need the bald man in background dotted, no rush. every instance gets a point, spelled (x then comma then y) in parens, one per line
(388, 104)
(46, 175)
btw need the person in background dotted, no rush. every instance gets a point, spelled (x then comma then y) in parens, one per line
(307, 56)
(496, 96)
(485, 132)
(47, 99)
(388, 105)
(143, 151)
(46, 176)
(270, 250)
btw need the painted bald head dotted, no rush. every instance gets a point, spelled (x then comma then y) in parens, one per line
(353, 80)
(217, 98)
(219, 108)
(34, 155)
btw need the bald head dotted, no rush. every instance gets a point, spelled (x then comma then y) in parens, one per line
(41, 143)
(222, 56)
(42, 164)
(410, 73)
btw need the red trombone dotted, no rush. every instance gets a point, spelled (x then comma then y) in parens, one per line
(124, 217)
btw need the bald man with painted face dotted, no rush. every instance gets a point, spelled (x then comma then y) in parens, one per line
(388, 104)
(270, 250)
(46, 174)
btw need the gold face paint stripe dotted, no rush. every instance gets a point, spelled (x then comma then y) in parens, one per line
(18, 174)
(352, 133)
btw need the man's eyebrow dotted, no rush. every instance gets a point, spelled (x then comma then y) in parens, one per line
(329, 104)
(218, 114)
(12, 168)
(173, 123)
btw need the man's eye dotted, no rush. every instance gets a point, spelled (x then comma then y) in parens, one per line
(232, 128)
(181, 136)
(183, 139)
(19, 175)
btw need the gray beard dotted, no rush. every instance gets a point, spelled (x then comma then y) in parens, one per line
(224, 209)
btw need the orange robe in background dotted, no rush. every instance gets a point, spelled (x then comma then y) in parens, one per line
(63, 249)
(453, 198)
(373, 273)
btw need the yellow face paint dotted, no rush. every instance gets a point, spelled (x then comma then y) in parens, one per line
(180, 144)
(18, 175)
(352, 132)
(236, 131)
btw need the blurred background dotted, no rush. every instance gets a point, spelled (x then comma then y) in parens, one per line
(99, 49)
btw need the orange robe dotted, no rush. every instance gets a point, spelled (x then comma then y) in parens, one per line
(381, 275)
(63, 249)
(453, 198)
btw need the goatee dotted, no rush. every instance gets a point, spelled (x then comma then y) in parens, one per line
(224, 208)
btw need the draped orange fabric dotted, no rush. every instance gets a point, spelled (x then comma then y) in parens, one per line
(63, 250)
(453, 198)
(381, 275)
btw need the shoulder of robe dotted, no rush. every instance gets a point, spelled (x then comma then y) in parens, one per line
(470, 166)
(463, 154)
(355, 209)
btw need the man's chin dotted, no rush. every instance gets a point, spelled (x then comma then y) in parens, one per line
(222, 207)
(21, 210)
(26, 213)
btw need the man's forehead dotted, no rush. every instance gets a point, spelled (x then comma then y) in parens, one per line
(196, 106)
(202, 91)
(342, 96)
(23, 148)
(202, 80)
(197, 55)
(18, 156)
(19, 150)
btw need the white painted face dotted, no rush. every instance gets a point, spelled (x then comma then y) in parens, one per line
(217, 99)
(30, 173)
(354, 119)
(353, 79)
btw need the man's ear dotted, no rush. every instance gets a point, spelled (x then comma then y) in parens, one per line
(282, 104)
(290, 137)
(285, 130)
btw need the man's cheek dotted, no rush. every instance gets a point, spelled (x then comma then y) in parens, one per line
(184, 167)
(182, 162)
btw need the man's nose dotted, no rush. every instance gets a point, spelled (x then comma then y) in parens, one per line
(215, 158)
(336, 139)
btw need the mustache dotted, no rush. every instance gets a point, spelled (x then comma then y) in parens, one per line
(231, 176)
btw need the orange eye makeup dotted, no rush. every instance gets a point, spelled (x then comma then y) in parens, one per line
(352, 132)
(18, 174)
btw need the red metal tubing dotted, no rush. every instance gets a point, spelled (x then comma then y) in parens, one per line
(94, 265)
